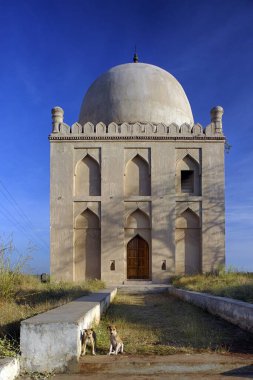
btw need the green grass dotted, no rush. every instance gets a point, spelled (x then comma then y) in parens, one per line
(8, 347)
(230, 284)
(23, 296)
(30, 297)
(161, 324)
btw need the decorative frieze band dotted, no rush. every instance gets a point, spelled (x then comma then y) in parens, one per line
(72, 137)
(137, 130)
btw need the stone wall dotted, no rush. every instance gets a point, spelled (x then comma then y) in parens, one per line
(117, 171)
(51, 341)
(237, 312)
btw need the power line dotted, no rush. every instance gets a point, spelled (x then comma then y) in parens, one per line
(28, 224)
(14, 222)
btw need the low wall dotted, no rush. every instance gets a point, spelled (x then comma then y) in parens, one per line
(9, 368)
(237, 312)
(51, 341)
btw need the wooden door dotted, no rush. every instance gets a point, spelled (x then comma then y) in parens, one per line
(137, 259)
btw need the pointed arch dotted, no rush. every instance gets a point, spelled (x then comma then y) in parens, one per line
(138, 241)
(87, 219)
(188, 178)
(87, 177)
(138, 219)
(188, 162)
(138, 235)
(137, 258)
(188, 219)
(87, 246)
(188, 243)
(137, 177)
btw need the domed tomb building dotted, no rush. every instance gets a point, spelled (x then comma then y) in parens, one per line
(137, 188)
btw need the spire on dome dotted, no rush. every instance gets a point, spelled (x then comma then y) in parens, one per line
(136, 58)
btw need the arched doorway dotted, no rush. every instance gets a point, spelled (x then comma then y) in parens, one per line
(137, 259)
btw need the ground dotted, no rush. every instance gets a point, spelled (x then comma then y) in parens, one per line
(161, 324)
(168, 339)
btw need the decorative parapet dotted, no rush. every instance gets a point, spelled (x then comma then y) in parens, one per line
(216, 118)
(57, 118)
(137, 130)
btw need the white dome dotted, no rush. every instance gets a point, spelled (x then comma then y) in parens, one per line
(136, 92)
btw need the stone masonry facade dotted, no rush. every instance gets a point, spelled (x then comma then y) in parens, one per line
(118, 189)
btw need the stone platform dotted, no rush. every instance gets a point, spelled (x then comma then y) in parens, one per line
(51, 341)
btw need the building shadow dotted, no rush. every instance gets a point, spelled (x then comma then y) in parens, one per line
(243, 372)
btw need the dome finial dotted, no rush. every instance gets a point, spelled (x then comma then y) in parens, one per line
(136, 58)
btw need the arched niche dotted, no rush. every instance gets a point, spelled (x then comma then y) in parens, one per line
(87, 246)
(188, 243)
(88, 219)
(188, 178)
(137, 177)
(188, 219)
(87, 177)
(138, 219)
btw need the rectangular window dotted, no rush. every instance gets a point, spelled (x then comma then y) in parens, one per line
(187, 181)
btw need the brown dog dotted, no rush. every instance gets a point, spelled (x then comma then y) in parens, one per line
(88, 339)
(116, 345)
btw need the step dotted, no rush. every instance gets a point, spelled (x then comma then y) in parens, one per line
(149, 365)
(138, 282)
(142, 287)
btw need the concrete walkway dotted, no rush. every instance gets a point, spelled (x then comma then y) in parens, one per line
(179, 366)
(174, 366)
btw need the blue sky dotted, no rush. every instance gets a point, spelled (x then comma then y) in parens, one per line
(51, 51)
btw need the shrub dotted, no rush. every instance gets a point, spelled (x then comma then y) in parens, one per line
(230, 283)
(10, 271)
